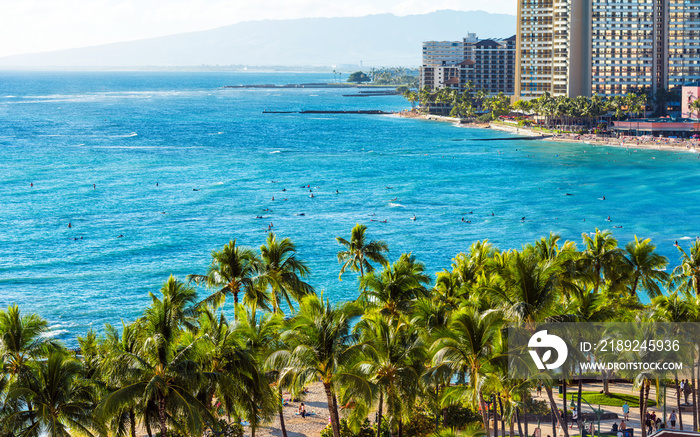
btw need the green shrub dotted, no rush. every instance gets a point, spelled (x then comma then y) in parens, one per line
(536, 407)
(420, 425)
(458, 417)
(485, 118)
(366, 430)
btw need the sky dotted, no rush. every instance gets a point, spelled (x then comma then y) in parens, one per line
(29, 26)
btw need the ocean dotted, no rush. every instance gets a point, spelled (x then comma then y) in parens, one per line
(180, 166)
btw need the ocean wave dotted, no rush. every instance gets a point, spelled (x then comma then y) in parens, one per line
(276, 151)
(132, 134)
(54, 333)
(686, 238)
(396, 205)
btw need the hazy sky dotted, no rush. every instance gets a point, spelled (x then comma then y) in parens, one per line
(43, 25)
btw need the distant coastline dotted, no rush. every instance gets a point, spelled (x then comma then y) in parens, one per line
(652, 143)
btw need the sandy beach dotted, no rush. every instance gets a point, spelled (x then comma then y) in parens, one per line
(642, 142)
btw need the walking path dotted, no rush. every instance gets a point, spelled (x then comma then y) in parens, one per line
(606, 425)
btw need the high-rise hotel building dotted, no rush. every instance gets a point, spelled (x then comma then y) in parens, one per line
(609, 47)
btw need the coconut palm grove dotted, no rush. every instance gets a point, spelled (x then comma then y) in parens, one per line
(410, 357)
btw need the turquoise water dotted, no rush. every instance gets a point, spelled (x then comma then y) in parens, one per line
(127, 132)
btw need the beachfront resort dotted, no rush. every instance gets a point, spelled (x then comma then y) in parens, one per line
(569, 50)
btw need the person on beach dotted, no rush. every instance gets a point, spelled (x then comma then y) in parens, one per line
(625, 411)
(302, 410)
(623, 424)
(672, 419)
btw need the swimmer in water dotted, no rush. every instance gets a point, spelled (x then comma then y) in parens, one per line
(608, 219)
(312, 195)
(273, 198)
(337, 192)
(31, 184)
(69, 225)
(384, 221)
(414, 217)
(194, 189)
(120, 236)
(492, 214)
(156, 184)
(462, 218)
(284, 189)
(93, 187)
(676, 243)
(603, 197)
(523, 219)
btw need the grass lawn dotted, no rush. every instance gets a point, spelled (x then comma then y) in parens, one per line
(613, 399)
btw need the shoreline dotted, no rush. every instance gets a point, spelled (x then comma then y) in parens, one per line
(645, 142)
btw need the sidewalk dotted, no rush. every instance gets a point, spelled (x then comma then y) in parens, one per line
(606, 425)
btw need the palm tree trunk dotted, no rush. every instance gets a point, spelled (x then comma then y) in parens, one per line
(527, 427)
(520, 423)
(692, 385)
(484, 413)
(511, 429)
(503, 416)
(332, 408)
(642, 422)
(162, 416)
(578, 401)
(281, 412)
(678, 404)
(379, 413)
(400, 428)
(566, 422)
(553, 403)
(148, 427)
(132, 422)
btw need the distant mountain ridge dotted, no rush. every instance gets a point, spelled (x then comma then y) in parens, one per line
(374, 40)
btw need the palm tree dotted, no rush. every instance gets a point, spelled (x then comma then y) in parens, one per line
(239, 384)
(21, 339)
(54, 400)
(163, 371)
(393, 356)
(647, 267)
(261, 336)
(114, 374)
(529, 293)
(686, 276)
(465, 349)
(231, 272)
(358, 252)
(393, 290)
(281, 272)
(600, 255)
(318, 338)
